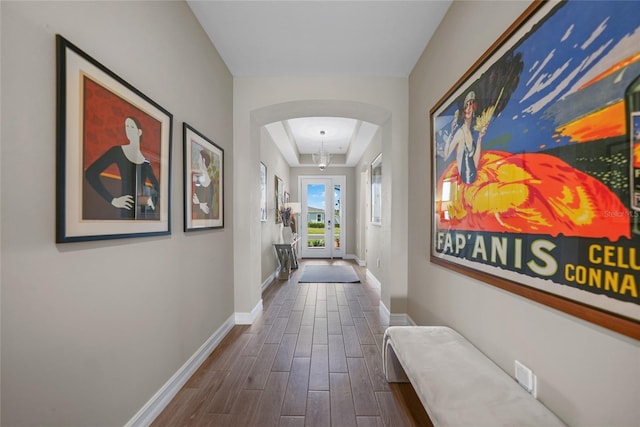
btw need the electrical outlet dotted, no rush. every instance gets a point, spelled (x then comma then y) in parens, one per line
(378, 262)
(526, 379)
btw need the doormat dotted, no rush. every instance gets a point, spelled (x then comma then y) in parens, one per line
(329, 274)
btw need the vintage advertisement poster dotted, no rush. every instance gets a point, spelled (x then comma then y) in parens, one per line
(536, 158)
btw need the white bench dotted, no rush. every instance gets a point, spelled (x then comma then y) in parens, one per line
(456, 383)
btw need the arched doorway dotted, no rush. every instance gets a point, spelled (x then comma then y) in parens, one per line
(252, 111)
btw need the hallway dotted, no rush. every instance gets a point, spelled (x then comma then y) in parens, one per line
(312, 358)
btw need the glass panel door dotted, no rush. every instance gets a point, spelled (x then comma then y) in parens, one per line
(321, 217)
(316, 214)
(315, 220)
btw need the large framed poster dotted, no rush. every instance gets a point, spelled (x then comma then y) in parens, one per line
(536, 163)
(113, 154)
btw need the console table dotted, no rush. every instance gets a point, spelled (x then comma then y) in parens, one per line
(287, 257)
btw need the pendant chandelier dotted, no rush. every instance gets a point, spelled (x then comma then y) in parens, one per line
(322, 158)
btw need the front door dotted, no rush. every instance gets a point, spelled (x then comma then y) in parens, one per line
(321, 225)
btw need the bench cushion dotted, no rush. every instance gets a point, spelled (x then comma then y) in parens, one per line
(457, 384)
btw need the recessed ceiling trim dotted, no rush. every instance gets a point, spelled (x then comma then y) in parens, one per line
(280, 138)
(292, 138)
(271, 118)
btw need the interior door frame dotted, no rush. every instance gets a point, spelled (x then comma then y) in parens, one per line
(330, 251)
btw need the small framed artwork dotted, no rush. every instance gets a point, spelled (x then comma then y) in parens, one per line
(263, 192)
(279, 192)
(113, 154)
(376, 190)
(203, 180)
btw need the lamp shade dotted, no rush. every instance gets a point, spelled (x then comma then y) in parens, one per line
(322, 158)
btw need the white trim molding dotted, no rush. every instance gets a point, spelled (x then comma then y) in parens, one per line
(401, 319)
(360, 262)
(249, 318)
(384, 312)
(396, 319)
(163, 397)
(269, 280)
(373, 279)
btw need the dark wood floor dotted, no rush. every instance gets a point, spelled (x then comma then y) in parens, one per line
(312, 358)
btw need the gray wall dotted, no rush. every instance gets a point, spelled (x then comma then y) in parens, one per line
(271, 232)
(587, 375)
(373, 238)
(91, 331)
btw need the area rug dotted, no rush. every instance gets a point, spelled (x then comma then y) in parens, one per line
(328, 274)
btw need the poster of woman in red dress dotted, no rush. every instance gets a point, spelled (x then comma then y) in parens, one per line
(533, 159)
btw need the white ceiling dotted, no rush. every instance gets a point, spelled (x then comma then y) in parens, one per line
(320, 39)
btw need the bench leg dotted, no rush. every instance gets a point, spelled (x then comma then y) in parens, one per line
(393, 370)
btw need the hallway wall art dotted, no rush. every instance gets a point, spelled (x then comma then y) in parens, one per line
(203, 181)
(536, 163)
(113, 154)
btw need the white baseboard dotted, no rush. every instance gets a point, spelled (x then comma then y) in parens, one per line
(360, 262)
(401, 319)
(397, 319)
(373, 279)
(161, 399)
(249, 318)
(384, 312)
(269, 281)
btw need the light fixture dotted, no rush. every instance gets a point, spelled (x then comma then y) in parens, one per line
(322, 158)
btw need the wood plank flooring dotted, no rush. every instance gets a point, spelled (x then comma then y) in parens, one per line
(312, 358)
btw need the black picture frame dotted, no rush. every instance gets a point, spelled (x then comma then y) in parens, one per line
(279, 198)
(107, 188)
(203, 189)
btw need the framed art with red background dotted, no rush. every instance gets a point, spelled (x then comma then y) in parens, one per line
(113, 158)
